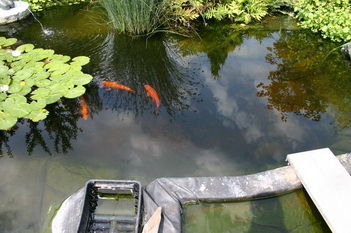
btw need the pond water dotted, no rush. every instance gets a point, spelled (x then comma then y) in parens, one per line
(234, 101)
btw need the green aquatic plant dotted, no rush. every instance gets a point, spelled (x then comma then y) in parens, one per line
(31, 78)
(134, 17)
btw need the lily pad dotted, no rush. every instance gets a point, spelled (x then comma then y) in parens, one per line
(76, 66)
(3, 96)
(43, 83)
(83, 79)
(75, 92)
(37, 104)
(25, 90)
(31, 78)
(59, 58)
(2, 40)
(54, 65)
(40, 93)
(39, 115)
(15, 88)
(81, 60)
(23, 74)
(52, 98)
(25, 47)
(8, 42)
(40, 54)
(41, 75)
(3, 69)
(57, 88)
(63, 68)
(16, 109)
(18, 99)
(29, 82)
(7, 121)
(18, 65)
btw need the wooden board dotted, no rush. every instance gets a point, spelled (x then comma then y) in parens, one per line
(153, 224)
(328, 184)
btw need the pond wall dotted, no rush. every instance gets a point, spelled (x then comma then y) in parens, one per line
(172, 193)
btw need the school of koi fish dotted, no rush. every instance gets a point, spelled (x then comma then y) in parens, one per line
(150, 92)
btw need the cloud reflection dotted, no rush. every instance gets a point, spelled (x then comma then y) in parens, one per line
(236, 102)
(148, 150)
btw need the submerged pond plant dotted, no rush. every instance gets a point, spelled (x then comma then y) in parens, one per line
(31, 78)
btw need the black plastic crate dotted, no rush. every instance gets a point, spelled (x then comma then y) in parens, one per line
(111, 206)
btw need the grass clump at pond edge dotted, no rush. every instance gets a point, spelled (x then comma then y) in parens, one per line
(134, 17)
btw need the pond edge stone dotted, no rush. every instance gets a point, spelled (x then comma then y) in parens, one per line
(20, 11)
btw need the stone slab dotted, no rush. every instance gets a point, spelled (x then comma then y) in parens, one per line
(327, 183)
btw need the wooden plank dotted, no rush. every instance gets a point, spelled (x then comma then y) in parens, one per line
(328, 184)
(153, 224)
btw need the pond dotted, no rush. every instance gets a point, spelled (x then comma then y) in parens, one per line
(235, 100)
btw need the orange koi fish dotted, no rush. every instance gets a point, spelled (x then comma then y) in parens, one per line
(84, 108)
(150, 92)
(116, 86)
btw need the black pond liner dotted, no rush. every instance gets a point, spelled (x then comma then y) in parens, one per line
(171, 194)
(111, 206)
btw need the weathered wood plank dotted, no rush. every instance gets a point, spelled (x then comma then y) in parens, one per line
(328, 184)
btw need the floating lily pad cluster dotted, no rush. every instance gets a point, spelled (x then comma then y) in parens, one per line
(31, 78)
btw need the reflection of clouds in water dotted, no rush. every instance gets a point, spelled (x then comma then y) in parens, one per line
(213, 162)
(253, 49)
(135, 151)
(236, 102)
(228, 108)
(292, 128)
(142, 144)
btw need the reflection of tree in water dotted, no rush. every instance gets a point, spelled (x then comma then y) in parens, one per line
(136, 62)
(217, 41)
(303, 83)
(59, 128)
(133, 63)
(4, 142)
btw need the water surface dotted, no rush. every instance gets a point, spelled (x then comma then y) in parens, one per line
(234, 101)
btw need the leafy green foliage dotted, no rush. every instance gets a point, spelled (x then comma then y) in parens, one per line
(331, 18)
(241, 11)
(183, 11)
(39, 5)
(238, 10)
(32, 78)
(145, 16)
